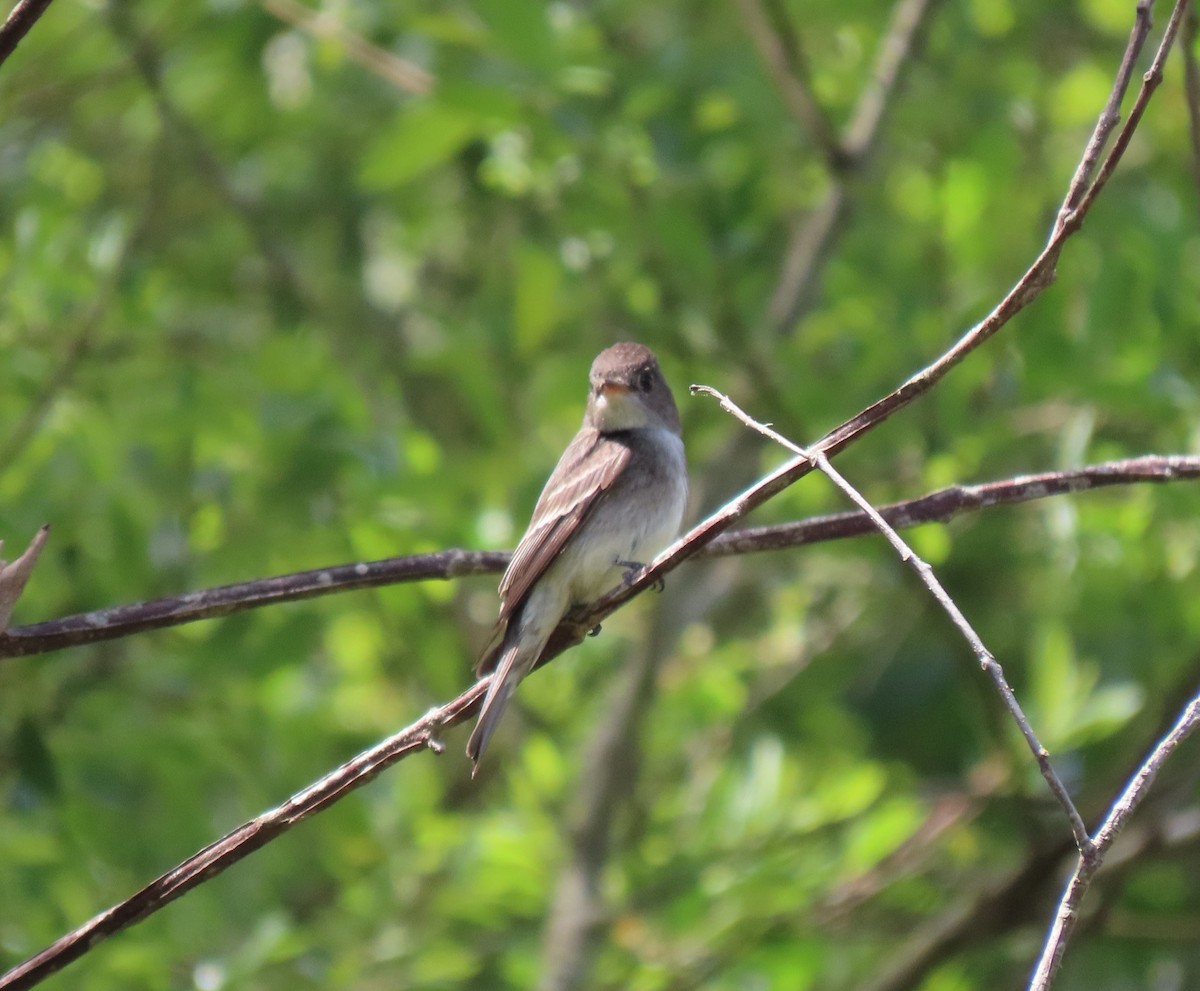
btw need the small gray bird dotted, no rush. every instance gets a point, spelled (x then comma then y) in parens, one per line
(614, 501)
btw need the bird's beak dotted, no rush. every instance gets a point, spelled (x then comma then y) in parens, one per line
(613, 389)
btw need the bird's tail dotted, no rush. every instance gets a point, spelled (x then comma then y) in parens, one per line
(513, 664)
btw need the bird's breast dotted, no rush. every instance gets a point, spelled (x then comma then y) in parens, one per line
(639, 516)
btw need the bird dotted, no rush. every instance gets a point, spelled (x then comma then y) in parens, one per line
(615, 499)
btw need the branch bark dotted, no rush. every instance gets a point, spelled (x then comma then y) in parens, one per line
(21, 18)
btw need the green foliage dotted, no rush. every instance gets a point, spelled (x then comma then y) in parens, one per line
(265, 311)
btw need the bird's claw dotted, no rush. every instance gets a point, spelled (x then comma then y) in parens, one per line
(594, 631)
(632, 570)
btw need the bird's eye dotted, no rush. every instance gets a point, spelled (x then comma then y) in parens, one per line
(645, 380)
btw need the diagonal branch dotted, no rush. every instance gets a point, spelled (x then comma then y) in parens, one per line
(1031, 285)
(424, 733)
(1110, 116)
(213, 859)
(986, 658)
(22, 17)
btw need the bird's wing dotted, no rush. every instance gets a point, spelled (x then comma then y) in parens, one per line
(584, 473)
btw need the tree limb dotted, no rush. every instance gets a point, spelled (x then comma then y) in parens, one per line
(939, 506)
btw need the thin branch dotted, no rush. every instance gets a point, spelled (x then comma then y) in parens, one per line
(987, 660)
(213, 859)
(1110, 116)
(422, 734)
(210, 603)
(945, 504)
(1067, 917)
(1151, 80)
(401, 73)
(935, 507)
(22, 17)
(1031, 285)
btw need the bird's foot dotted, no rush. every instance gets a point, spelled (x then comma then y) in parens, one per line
(631, 572)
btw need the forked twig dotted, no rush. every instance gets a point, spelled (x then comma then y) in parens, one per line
(986, 659)
(1067, 916)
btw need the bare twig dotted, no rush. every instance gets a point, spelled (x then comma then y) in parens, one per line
(945, 504)
(987, 660)
(22, 17)
(421, 735)
(1110, 116)
(120, 621)
(1067, 916)
(1031, 285)
(211, 603)
(401, 73)
(1151, 80)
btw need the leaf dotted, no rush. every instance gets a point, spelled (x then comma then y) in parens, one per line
(424, 137)
(536, 307)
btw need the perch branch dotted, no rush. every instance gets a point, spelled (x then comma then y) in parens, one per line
(216, 857)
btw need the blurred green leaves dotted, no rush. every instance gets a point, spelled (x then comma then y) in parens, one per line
(264, 311)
